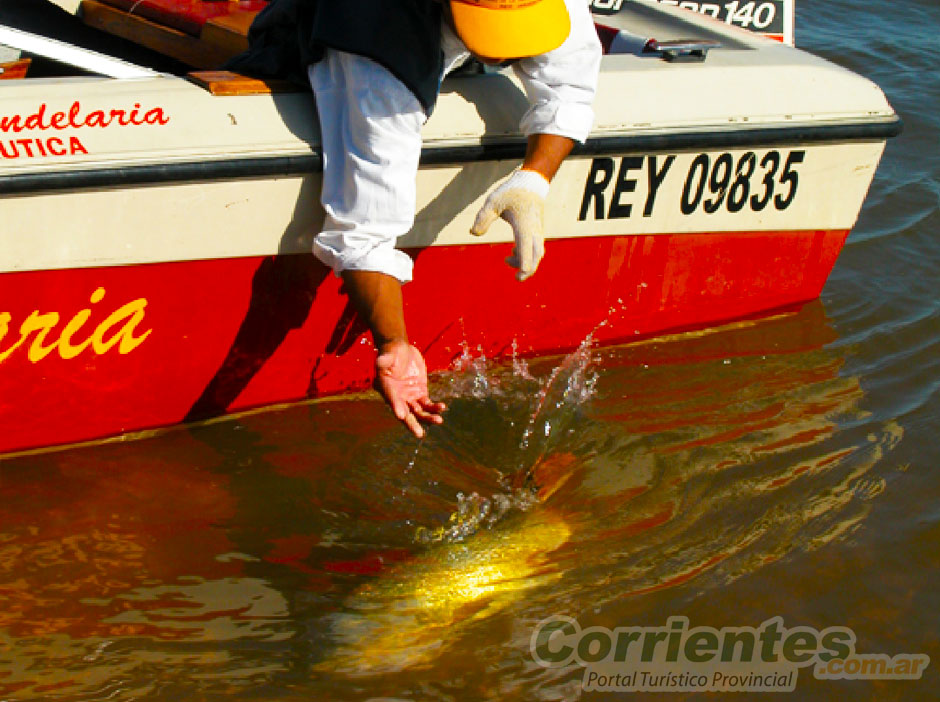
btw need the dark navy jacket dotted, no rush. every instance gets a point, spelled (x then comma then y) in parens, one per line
(404, 36)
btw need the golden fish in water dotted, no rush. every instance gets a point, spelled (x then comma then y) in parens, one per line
(407, 616)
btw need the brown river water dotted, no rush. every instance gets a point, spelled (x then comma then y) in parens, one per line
(783, 467)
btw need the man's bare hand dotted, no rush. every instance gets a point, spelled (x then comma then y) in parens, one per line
(402, 379)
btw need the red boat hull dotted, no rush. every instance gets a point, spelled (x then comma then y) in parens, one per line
(94, 352)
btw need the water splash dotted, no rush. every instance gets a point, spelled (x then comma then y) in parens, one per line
(475, 512)
(414, 457)
(570, 384)
(549, 404)
(520, 368)
(471, 377)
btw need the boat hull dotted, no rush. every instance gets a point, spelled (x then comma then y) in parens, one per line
(155, 238)
(124, 348)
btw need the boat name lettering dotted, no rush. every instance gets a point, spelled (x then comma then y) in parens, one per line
(76, 118)
(118, 329)
(43, 119)
(746, 182)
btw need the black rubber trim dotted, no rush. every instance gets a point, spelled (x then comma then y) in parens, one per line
(274, 166)
(193, 171)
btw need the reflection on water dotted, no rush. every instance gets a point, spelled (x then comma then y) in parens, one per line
(288, 552)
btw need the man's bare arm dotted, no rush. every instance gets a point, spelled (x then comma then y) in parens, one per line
(401, 375)
(545, 153)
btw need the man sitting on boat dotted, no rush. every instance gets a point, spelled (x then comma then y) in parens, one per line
(375, 68)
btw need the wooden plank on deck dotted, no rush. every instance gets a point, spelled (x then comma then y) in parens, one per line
(14, 69)
(228, 83)
(192, 51)
(229, 32)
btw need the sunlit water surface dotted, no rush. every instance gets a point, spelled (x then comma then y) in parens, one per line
(784, 466)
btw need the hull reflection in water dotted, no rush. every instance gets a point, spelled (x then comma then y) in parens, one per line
(406, 617)
(711, 455)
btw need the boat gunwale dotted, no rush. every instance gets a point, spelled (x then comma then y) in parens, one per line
(74, 177)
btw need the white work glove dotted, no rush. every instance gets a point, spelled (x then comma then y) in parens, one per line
(520, 200)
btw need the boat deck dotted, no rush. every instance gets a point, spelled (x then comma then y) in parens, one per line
(199, 34)
(205, 34)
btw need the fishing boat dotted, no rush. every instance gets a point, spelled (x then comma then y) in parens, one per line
(156, 226)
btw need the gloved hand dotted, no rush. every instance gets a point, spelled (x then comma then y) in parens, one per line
(520, 200)
(402, 379)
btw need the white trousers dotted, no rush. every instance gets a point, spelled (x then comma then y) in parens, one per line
(370, 126)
